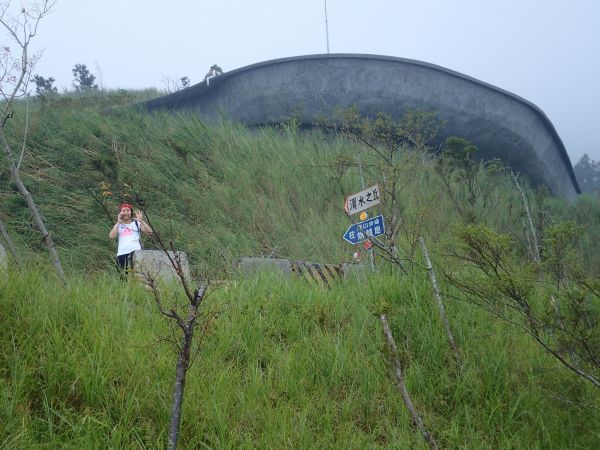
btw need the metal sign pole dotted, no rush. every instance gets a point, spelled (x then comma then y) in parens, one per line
(362, 178)
(362, 182)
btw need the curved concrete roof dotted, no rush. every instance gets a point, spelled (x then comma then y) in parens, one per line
(501, 124)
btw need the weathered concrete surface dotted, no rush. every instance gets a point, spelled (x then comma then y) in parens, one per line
(500, 123)
(251, 266)
(356, 271)
(156, 265)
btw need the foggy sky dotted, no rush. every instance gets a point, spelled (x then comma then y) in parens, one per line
(547, 52)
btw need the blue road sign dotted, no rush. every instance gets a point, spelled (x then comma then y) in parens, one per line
(364, 230)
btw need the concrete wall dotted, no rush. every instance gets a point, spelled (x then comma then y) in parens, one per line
(156, 265)
(286, 268)
(251, 266)
(501, 124)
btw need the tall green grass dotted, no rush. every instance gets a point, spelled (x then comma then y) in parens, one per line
(282, 365)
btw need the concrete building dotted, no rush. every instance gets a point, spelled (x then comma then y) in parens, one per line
(501, 124)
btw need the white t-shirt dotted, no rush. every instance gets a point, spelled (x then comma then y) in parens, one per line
(129, 238)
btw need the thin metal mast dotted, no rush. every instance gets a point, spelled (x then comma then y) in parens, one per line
(326, 27)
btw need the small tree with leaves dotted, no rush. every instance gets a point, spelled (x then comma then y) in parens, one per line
(44, 86)
(84, 79)
(45, 89)
(587, 172)
(456, 164)
(559, 308)
(468, 182)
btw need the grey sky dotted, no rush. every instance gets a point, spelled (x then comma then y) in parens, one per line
(546, 51)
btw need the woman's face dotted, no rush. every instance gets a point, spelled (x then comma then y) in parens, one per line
(126, 212)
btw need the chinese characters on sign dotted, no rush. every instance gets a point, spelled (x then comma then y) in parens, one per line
(363, 230)
(356, 203)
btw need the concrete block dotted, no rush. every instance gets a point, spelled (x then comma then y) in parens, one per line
(157, 265)
(250, 266)
(355, 271)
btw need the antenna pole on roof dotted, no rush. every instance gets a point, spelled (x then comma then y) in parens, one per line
(326, 28)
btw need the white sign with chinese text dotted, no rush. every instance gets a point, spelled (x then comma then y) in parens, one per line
(362, 200)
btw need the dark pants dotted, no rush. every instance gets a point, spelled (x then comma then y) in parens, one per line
(125, 264)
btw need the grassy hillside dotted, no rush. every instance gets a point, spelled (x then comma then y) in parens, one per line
(219, 193)
(281, 364)
(223, 191)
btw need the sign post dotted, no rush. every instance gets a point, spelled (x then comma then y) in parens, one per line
(358, 203)
(364, 230)
(362, 200)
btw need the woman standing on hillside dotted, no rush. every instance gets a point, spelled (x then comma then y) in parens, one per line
(129, 232)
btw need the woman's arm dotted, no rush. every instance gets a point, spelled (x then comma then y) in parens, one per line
(145, 227)
(115, 230)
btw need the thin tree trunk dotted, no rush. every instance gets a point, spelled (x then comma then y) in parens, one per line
(534, 239)
(183, 363)
(398, 372)
(530, 251)
(9, 244)
(438, 299)
(37, 218)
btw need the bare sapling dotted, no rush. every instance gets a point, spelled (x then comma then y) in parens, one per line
(399, 375)
(440, 304)
(15, 72)
(186, 322)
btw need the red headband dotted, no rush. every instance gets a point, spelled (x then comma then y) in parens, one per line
(125, 205)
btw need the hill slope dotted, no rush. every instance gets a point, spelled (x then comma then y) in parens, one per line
(280, 363)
